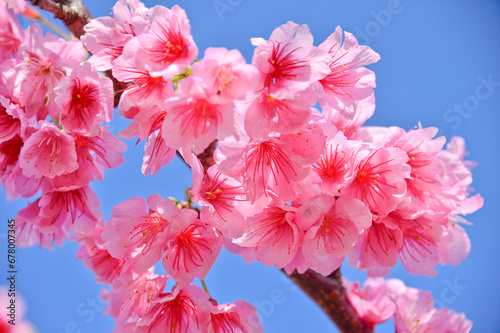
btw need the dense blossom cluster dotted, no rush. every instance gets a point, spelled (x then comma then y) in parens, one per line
(293, 186)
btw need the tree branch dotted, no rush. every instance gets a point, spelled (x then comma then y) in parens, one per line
(73, 13)
(329, 293)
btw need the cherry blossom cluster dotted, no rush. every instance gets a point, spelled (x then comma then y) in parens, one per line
(52, 140)
(298, 182)
(412, 309)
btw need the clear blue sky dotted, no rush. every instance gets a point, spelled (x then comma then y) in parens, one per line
(434, 54)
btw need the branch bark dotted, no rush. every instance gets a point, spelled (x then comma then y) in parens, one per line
(73, 13)
(329, 293)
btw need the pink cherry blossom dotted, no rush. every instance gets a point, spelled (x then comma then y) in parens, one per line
(226, 72)
(347, 82)
(197, 117)
(135, 300)
(265, 166)
(48, 152)
(351, 127)
(273, 234)
(84, 101)
(334, 232)
(379, 179)
(184, 310)
(97, 152)
(137, 234)
(289, 59)
(282, 112)
(192, 252)
(10, 32)
(43, 61)
(167, 42)
(105, 37)
(372, 302)
(239, 317)
(219, 196)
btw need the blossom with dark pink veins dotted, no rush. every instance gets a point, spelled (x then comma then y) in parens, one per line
(347, 82)
(83, 101)
(379, 179)
(167, 45)
(281, 111)
(273, 234)
(197, 116)
(134, 300)
(192, 252)
(332, 231)
(138, 234)
(184, 310)
(265, 166)
(219, 196)
(42, 62)
(49, 152)
(289, 59)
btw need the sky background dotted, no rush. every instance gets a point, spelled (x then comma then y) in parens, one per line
(434, 56)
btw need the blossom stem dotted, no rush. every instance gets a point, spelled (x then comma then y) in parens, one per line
(204, 286)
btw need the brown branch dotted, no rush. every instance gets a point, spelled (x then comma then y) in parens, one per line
(73, 13)
(329, 293)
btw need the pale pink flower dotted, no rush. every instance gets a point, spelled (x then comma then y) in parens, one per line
(347, 82)
(192, 252)
(49, 152)
(309, 142)
(226, 72)
(10, 32)
(372, 302)
(379, 179)
(351, 127)
(167, 42)
(289, 59)
(105, 37)
(135, 300)
(43, 61)
(137, 234)
(415, 314)
(333, 231)
(455, 244)
(239, 317)
(280, 111)
(83, 101)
